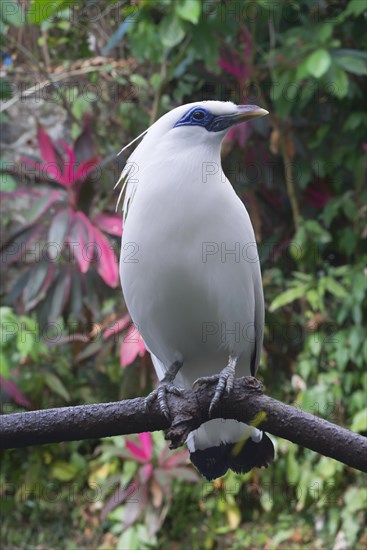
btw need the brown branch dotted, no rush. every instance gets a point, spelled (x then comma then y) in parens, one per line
(246, 403)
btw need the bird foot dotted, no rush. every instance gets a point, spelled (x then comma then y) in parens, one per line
(224, 381)
(165, 387)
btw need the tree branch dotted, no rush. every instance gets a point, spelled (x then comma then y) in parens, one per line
(247, 403)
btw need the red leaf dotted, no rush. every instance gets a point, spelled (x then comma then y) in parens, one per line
(107, 265)
(135, 506)
(239, 134)
(110, 223)
(85, 167)
(48, 150)
(238, 65)
(60, 295)
(83, 146)
(147, 443)
(138, 452)
(46, 170)
(79, 240)
(118, 497)
(58, 229)
(145, 472)
(68, 175)
(18, 247)
(41, 205)
(178, 459)
(45, 286)
(132, 345)
(14, 392)
(117, 327)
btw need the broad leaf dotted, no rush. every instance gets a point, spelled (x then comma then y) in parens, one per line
(107, 265)
(41, 205)
(189, 10)
(60, 295)
(318, 63)
(59, 228)
(117, 327)
(55, 384)
(171, 31)
(10, 387)
(110, 223)
(132, 345)
(36, 281)
(287, 297)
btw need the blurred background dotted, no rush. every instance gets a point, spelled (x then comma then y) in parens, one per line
(79, 81)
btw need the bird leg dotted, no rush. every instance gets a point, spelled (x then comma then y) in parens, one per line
(165, 386)
(224, 380)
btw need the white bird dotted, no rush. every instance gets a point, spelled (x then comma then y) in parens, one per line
(190, 273)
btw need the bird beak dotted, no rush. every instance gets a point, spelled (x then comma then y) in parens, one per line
(247, 112)
(244, 113)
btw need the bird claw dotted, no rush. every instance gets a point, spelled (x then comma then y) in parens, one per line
(160, 394)
(224, 381)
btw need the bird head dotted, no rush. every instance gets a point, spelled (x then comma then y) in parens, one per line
(217, 116)
(190, 127)
(204, 120)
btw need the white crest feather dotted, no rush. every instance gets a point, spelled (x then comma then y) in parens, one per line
(125, 174)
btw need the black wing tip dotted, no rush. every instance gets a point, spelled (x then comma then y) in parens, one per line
(252, 455)
(214, 462)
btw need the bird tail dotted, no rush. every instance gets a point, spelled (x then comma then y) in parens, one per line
(249, 448)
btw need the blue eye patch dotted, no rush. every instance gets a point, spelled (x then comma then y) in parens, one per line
(198, 116)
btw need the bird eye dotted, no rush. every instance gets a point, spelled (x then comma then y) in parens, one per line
(198, 115)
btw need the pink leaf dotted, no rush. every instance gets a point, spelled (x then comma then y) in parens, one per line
(85, 167)
(177, 459)
(110, 223)
(79, 240)
(107, 265)
(14, 392)
(240, 134)
(46, 170)
(145, 472)
(233, 63)
(47, 148)
(68, 176)
(147, 443)
(117, 327)
(139, 452)
(132, 345)
(119, 496)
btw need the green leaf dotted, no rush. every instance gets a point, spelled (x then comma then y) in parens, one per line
(355, 7)
(335, 288)
(171, 31)
(293, 468)
(12, 13)
(189, 10)
(359, 423)
(63, 471)
(287, 297)
(7, 183)
(55, 384)
(318, 62)
(40, 10)
(4, 365)
(352, 64)
(339, 82)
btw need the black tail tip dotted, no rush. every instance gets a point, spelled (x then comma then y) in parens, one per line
(213, 462)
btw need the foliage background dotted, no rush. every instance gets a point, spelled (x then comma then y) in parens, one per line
(100, 73)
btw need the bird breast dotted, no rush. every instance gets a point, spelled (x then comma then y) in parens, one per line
(193, 283)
